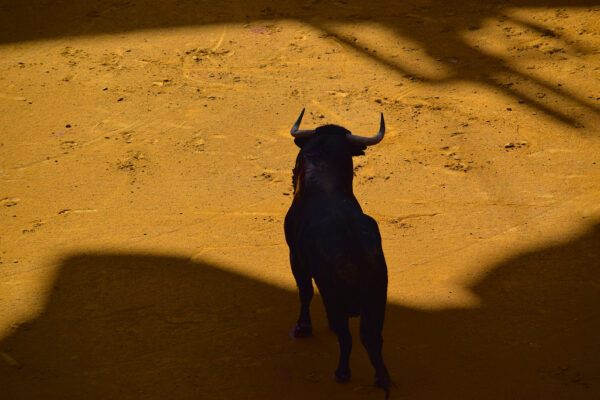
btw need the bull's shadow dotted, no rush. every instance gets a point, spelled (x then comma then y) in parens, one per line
(147, 326)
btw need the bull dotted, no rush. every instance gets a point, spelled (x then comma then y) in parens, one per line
(333, 242)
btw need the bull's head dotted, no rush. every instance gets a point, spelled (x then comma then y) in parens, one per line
(354, 139)
(326, 153)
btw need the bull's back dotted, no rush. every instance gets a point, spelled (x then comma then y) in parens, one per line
(345, 258)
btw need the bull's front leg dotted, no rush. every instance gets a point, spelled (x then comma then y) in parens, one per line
(303, 327)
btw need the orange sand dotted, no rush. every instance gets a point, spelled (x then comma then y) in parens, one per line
(145, 170)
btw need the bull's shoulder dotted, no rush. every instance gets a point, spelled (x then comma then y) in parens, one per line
(366, 223)
(368, 230)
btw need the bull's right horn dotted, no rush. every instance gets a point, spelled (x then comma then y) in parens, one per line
(301, 133)
(369, 141)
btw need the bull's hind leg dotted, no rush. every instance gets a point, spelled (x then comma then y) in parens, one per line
(371, 326)
(339, 324)
(303, 327)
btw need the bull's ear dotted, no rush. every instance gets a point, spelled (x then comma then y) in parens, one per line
(357, 150)
(300, 142)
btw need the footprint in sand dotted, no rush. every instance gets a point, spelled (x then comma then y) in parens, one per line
(195, 144)
(34, 225)
(68, 144)
(134, 160)
(9, 202)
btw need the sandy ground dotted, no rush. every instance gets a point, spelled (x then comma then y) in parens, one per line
(145, 170)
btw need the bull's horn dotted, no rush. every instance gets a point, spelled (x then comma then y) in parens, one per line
(369, 141)
(299, 133)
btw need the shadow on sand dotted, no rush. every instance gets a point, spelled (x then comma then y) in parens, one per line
(141, 326)
(436, 26)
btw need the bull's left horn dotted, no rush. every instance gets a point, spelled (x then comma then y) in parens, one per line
(369, 141)
(301, 133)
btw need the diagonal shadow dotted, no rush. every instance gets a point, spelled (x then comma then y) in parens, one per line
(482, 69)
(154, 327)
(436, 25)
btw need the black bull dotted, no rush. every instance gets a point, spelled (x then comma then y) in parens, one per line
(333, 242)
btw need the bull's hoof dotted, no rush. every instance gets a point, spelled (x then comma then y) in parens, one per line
(384, 383)
(302, 331)
(342, 376)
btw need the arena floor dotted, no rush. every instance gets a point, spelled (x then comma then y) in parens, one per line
(145, 171)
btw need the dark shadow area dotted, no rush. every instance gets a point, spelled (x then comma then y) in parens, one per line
(92, 17)
(153, 327)
(437, 26)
